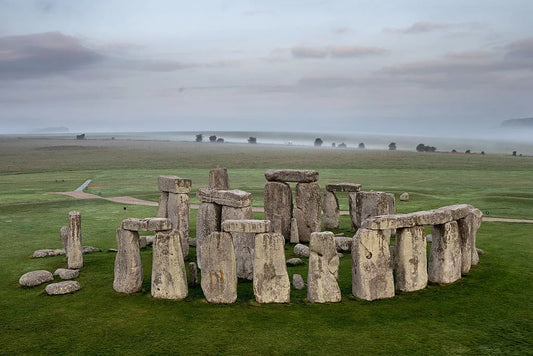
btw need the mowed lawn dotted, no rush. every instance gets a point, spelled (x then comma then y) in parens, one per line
(489, 311)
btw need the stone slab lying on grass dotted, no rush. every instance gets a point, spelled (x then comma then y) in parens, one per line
(48, 252)
(61, 288)
(301, 250)
(148, 224)
(235, 198)
(65, 273)
(34, 278)
(343, 187)
(291, 175)
(255, 226)
(295, 261)
(90, 249)
(174, 184)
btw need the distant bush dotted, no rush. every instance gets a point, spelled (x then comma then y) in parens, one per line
(252, 140)
(220, 140)
(342, 145)
(199, 138)
(362, 145)
(454, 151)
(514, 153)
(212, 138)
(392, 146)
(467, 152)
(318, 142)
(423, 148)
(333, 144)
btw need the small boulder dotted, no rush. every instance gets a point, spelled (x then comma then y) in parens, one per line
(343, 244)
(295, 261)
(404, 196)
(62, 288)
(429, 238)
(191, 241)
(48, 252)
(301, 250)
(480, 251)
(65, 273)
(35, 278)
(89, 249)
(298, 281)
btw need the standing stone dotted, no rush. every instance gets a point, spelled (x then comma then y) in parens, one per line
(271, 281)
(169, 279)
(330, 206)
(162, 211)
(244, 242)
(128, 266)
(352, 201)
(278, 207)
(476, 224)
(218, 178)
(74, 252)
(322, 286)
(294, 232)
(369, 204)
(64, 232)
(219, 274)
(298, 281)
(207, 221)
(372, 276)
(291, 175)
(308, 207)
(410, 259)
(465, 226)
(445, 254)
(178, 213)
(193, 274)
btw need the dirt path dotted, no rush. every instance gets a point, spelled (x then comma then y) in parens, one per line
(135, 201)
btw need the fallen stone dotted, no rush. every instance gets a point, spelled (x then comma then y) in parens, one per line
(295, 261)
(343, 244)
(47, 252)
(35, 278)
(162, 208)
(445, 254)
(128, 266)
(193, 274)
(178, 213)
(298, 281)
(343, 187)
(404, 196)
(322, 286)
(291, 175)
(278, 207)
(270, 278)
(234, 198)
(148, 224)
(308, 208)
(301, 250)
(330, 207)
(174, 184)
(410, 259)
(169, 278)
(61, 288)
(65, 273)
(294, 232)
(218, 178)
(75, 253)
(207, 221)
(250, 226)
(340, 254)
(244, 243)
(90, 249)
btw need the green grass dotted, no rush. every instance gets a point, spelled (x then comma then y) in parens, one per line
(489, 311)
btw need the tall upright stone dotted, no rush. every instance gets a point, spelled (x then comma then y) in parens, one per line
(278, 207)
(244, 242)
(74, 252)
(219, 274)
(169, 279)
(372, 276)
(352, 202)
(295, 239)
(271, 281)
(128, 266)
(64, 233)
(308, 208)
(162, 208)
(330, 206)
(466, 237)
(218, 178)
(322, 286)
(476, 224)
(445, 254)
(178, 213)
(369, 204)
(410, 259)
(207, 221)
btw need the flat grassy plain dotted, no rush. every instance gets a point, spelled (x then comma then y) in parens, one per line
(489, 311)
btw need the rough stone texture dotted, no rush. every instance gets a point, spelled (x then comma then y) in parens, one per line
(410, 259)
(308, 207)
(193, 274)
(90, 249)
(35, 278)
(148, 224)
(271, 281)
(219, 273)
(330, 206)
(343, 187)
(74, 250)
(404, 196)
(343, 244)
(65, 273)
(372, 276)
(291, 175)
(178, 213)
(47, 252)
(174, 184)
(465, 226)
(301, 250)
(218, 178)
(235, 198)
(322, 286)
(295, 261)
(278, 207)
(476, 223)
(191, 241)
(128, 266)
(480, 251)
(169, 279)
(294, 232)
(352, 201)
(63, 234)
(142, 241)
(370, 204)
(298, 281)
(207, 221)
(61, 288)
(429, 238)
(390, 221)
(244, 243)
(162, 211)
(445, 254)
(251, 226)
(150, 240)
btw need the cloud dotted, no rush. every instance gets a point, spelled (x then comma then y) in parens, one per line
(161, 65)
(354, 51)
(308, 52)
(42, 54)
(520, 50)
(420, 27)
(327, 82)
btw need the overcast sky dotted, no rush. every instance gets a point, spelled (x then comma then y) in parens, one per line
(391, 66)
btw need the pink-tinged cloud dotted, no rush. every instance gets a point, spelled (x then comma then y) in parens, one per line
(420, 27)
(308, 52)
(355, 51)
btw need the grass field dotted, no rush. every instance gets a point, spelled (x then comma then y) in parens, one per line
(488, 312)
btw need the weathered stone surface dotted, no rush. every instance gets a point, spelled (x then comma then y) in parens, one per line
(90, 249)
(244, 243)
(476, 221)
(150, 240)
(174, 184)
(330, 207)
(178, 213)
(294, 232)
(352, 201)
(128, 266)
(207, 221)
(191, 241)
(404, 196)
(61, 288)
(250, 226)
(459, 211)
(372, 276)
(465, 226)
(445, 254)
(390, 221)
(162, 211)
(343, 187)
(235, 198)
(429, 238)
(301, 250)
(322, 286)
(63, 234)
(295, 261)
(47, 252)
(218, 178)
(410, 259)
(219, 273)
(169, 278)
(291, 175)
(278, 207)
(148, 224)
(370, 204)
(298, 281)
(65, 273)
(142, 241)
(480, 251)
(34, 278)
(343, 244)
(271, 281)
(193, 274)
(308, 208)
(74, 250)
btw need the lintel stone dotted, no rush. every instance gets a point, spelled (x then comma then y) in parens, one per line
(291, 175)
(256, 226)
(149, 224)
(235, 198)
(343, 187)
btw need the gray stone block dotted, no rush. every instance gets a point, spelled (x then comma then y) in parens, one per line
(250, 226)
(322, 286)
(271, 281)
(235, 198)
(174, 184)
(343, 187)
(291, 175)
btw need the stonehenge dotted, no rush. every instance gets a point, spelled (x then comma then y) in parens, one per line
(169, 278)
(74, 247)
(330, 202)
(322, 286)
(270, 278)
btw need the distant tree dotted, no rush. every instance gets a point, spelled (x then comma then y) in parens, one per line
(220, 140)
(482, 152)
(80, 137)
(333, 144)
(318, 142)
(342, 145)
(392, 146)
(431, 149)
(362, 145)
(212, 138)
(421, 147)
(199, 138)
(454, 151)
(514, 153)
(467, 151)
(252, 140)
